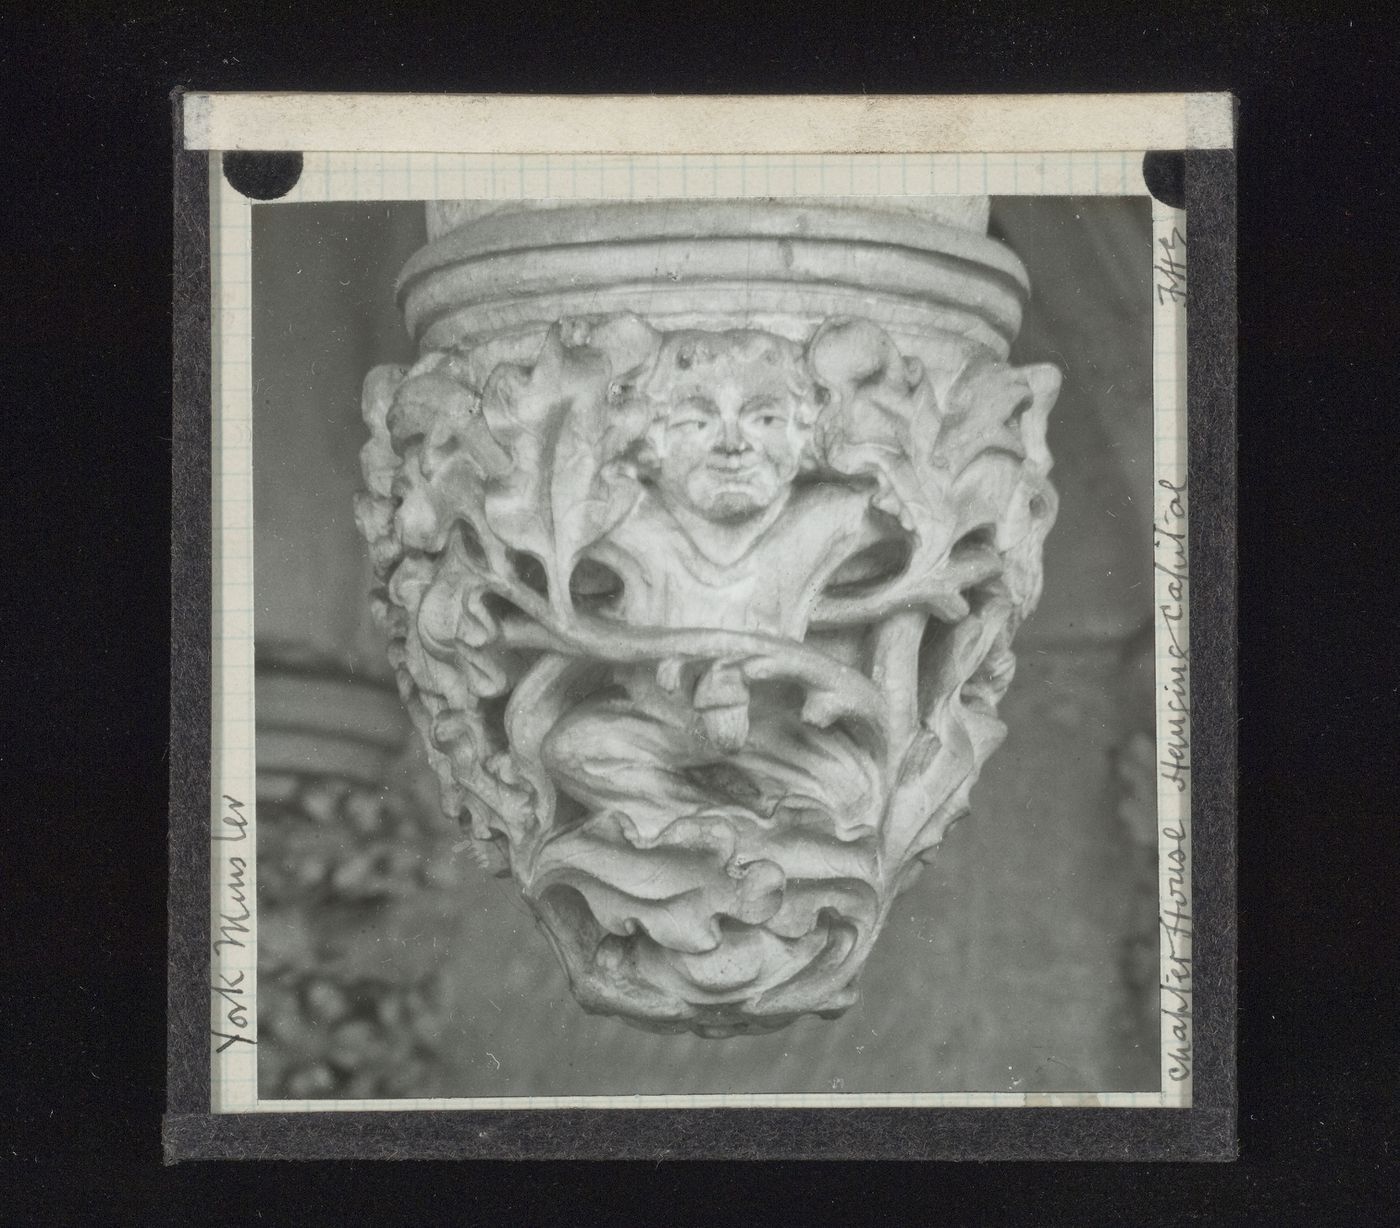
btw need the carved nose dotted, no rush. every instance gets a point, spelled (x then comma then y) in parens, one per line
(732, 440)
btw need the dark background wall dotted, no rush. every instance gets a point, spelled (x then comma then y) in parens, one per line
(1316, 457)
(1024, 959)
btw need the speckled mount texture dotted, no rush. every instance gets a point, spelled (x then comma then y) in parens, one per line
(705, 623)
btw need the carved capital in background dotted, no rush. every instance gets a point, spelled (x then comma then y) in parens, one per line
(702, 533)
(353, 869)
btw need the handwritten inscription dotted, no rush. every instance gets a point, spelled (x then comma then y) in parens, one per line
(1169, 549)
(1174, 766)
(1171, 268)
(232, 928)
(1176, 970)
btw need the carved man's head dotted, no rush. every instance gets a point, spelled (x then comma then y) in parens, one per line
(732, 416)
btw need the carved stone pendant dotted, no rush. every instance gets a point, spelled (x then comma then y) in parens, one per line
(702, 532)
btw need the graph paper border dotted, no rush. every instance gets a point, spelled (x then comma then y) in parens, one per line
(1204, 1131)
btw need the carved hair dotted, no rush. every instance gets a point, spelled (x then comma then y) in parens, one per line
(686, 355)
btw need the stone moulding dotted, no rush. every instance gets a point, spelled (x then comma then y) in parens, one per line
(701, 533)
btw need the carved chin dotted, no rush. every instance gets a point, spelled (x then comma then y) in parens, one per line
(726, 496)
(733, 505)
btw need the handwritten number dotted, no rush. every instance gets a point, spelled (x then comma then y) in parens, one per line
(1171, 268)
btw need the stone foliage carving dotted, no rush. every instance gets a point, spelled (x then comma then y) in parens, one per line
(706, 631)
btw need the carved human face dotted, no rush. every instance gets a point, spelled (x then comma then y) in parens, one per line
(731, 438)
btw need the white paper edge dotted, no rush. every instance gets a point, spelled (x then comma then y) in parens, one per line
(504, 123)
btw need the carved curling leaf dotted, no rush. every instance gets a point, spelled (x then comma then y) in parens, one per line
(563, 488)
(706, 633)
(880, 406)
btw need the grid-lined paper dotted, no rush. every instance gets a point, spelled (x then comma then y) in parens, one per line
(329, 177)
(1173, 625)
(233, 861)
(600, 177)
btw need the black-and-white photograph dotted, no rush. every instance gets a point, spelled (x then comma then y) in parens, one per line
(705, 648)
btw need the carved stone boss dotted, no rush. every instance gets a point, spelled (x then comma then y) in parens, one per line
(701, 533)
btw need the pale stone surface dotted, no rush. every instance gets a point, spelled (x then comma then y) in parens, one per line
(776, 265)
(705, 624)
(967, 212)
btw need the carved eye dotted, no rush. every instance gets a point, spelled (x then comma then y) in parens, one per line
(691, 415)
(764, 412)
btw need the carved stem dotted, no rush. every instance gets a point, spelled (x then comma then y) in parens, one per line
(941, 595)
(834, 690)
